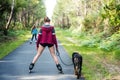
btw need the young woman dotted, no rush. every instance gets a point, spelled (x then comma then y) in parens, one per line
(34, 33)
(47, 38)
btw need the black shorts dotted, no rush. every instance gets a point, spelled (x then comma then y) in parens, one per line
(46, 44)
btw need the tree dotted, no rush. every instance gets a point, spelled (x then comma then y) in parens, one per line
(20, 14)
(5, 8)
(91, 15)
(10, 17)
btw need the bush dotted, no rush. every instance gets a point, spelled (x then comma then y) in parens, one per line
(117, 54)
(110, 43)
(107, 45)
(88, 43)
(18, 26)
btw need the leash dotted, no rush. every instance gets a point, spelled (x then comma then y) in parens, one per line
(58, 54)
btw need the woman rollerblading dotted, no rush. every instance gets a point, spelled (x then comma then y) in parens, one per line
(46, 38)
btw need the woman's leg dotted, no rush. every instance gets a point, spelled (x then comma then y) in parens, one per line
(32, 37)
(36, 37)
(39, 52)
(52, 51)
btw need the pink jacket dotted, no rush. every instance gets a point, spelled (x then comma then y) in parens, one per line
(47, 36)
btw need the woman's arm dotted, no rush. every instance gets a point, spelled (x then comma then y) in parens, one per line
(54, 38)
(39, 38)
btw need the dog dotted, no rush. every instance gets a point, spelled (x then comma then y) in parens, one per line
(77, 62)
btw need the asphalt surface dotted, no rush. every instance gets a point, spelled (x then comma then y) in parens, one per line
(15, 66)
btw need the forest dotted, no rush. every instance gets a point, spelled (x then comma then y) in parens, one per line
(90, 26)
(98, 21)
(20, 14)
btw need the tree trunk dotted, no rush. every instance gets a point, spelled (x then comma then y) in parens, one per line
(85, 7)
(9, 20)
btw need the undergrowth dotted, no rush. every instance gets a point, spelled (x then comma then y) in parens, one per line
(95, 52)
(12, 41)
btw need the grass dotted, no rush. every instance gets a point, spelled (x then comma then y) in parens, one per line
(93, 58)
(12, 41)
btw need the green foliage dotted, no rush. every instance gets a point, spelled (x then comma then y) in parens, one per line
(98, 41)
(25, 14)
(39, 10)
(112, 12)
(91, 42)
(21, 3)
(93, 58)
(92, 16)
(16, 33)
(95, 29)
(117, 54)
(5, 8)
(101, 26)
(89, 21)
(12, 41)
(111, 43)
(106, 46)
(16, 26)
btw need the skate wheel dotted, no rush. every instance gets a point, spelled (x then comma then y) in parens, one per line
(61, 72)
(29, 71)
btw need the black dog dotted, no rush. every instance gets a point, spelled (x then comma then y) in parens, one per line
(77, 61)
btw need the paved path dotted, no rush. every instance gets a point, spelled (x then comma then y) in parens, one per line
(15, 65)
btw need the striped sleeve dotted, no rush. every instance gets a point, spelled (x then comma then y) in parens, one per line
(40, 32)
(53, 31)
